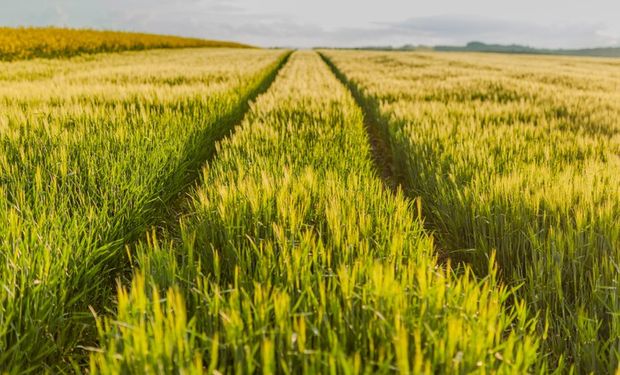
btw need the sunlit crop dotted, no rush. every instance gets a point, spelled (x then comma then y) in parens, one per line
(295, 258)
(520, 156)
(25, 43)
(93, 151)
(242, 210)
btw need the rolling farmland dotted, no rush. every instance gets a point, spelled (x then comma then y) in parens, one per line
(236, 210)
(48, 42)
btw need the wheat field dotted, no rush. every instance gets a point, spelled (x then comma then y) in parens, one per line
(240, 210)
(518, 156)
(92, 153)
(47, 42)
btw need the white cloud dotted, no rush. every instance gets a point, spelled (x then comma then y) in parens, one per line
(339, 23)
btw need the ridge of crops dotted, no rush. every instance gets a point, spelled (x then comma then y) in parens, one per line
(519, 157)
(295, 258)
(54, 42)
(92, 152)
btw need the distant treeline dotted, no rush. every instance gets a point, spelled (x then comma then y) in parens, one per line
(515, 48)
(501, 48)
(29, 42)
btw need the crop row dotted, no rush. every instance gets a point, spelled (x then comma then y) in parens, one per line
(92, 152)
(295, 258)
(518, 156)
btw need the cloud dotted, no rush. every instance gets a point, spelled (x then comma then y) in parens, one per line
(244, 21)
(446, 30)
(461, 29)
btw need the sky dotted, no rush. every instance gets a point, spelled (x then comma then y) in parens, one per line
(340, 23)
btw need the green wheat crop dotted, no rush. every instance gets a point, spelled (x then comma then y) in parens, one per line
(295, 258)
(173, 211)
(518, 155)
(92, 151)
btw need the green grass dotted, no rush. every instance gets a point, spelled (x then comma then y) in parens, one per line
(518, 156)
(293, 257)
(92, 153)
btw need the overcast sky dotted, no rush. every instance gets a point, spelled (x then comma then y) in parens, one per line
(306, 23)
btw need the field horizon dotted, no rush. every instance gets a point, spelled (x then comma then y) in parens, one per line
(135, 40)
